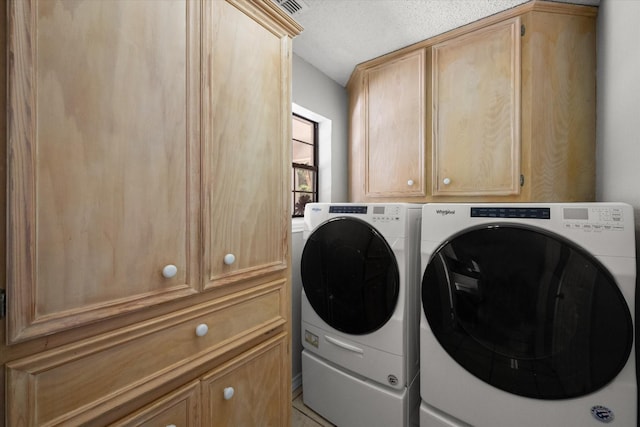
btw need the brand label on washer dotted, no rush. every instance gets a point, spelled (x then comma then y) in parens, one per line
(445, 212)
(602, 413)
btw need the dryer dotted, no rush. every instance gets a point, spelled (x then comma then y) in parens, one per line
(528, 315)
(360, 270)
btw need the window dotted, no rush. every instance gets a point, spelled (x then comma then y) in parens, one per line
(304, 172)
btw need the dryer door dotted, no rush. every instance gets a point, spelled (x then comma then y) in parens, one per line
(350, 275)
(527, 311)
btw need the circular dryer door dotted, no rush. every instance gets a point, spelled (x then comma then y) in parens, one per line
(527, 311)
(350, 275)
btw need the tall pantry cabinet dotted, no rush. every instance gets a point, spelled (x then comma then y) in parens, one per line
(147, 211)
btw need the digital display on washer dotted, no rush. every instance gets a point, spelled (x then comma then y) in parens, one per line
(348, 209)
(575, 213)
(513, 212)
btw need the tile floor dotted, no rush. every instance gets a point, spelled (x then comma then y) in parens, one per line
(303, 416)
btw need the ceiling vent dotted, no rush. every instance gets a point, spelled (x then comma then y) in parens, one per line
(292, 7)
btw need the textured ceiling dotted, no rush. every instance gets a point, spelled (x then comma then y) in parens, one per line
(340, 34)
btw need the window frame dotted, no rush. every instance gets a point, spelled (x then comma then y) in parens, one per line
(296, 166)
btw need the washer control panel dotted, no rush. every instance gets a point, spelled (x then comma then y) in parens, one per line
(348, 209)
(385, 213)
(375, 213)
(595, 219)
(510, 212)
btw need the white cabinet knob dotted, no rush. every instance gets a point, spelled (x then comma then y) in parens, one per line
(446, 181)
(202, 329)
(228, 393)
(169, 271)
(171, 425)
(410, 182)
(229, 259)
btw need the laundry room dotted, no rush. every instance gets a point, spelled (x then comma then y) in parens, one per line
(318, 90)
(319, 213)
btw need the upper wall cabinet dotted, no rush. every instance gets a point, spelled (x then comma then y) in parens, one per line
(390, 109)
(558, 126)
(476, 112)
(509, 112)
(103, 173)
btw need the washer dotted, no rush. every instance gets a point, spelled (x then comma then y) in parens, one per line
(528, 315)
(360, 271)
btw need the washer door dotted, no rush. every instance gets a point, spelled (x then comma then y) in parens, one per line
(527, 311)
(350, 275)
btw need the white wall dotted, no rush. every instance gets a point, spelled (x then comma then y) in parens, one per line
(315, 92)
(618, 122)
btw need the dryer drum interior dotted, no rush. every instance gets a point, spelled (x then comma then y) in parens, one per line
(527, 311)
(350, 275)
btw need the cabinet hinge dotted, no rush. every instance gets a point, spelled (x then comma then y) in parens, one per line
(522, 30)
(521, 180)
(3, 303)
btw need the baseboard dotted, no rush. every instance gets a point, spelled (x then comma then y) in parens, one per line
(296, 384)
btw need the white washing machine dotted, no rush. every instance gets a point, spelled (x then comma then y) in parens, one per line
(360, 272)
(528, 315)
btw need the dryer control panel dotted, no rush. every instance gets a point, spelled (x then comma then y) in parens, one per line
(594, 219)
(348, 209)
(586, 218)
(387, 213)
(510, 212)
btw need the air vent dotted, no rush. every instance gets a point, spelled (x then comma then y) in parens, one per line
(292, 7)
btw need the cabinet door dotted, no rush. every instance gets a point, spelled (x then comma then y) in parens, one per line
(102, 180)
(476, 112)
(247, 166)
(394, 128)
(249, 391)
(180, 409)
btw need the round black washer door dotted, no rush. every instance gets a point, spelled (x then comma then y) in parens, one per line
(527, 311)
(350, 275)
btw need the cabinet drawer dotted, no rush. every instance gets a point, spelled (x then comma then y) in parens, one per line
(180, 408)
(248, 390)
(77, 383)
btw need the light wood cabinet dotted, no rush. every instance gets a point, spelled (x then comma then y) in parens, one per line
(510, 111)
(559, 115)
(180, 408)
(247, 115)
(242, 393)
(148, 153)
(103, 140)
(391, 127)
(476, 112)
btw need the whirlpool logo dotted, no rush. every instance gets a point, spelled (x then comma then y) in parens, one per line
(445, 212)
(602, 414)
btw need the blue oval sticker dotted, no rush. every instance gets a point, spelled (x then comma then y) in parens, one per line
(602, 413)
